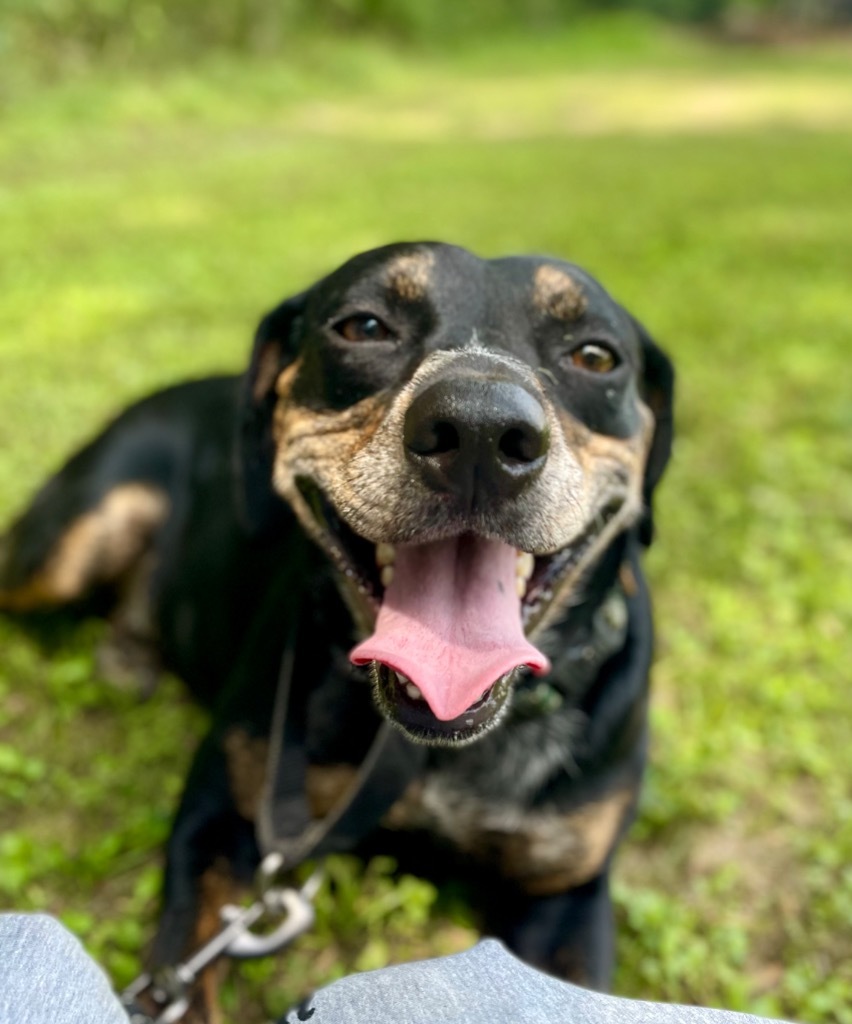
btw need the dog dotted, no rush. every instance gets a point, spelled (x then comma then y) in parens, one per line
(436, 479)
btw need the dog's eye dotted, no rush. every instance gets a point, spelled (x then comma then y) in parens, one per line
(363, 327)
(595, 357)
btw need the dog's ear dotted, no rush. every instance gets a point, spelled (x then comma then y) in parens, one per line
(657, 390)
(274, 349)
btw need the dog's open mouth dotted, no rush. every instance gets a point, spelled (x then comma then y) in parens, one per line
(449, 632)
(451, 620)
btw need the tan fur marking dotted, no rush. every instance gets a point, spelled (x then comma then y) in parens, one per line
(559, 852)
(326, 785)
(407, 810)
(321, 445)
(627, 578)
(330, 437)
(216, 888)
(97, 548)
(544, 850)
(557, 294)
(353, 428)
(333, 437)
(612, 470)
(246, 759)
(409, 275)
(267, 370)
(602, 456)
(210, 981)
(286, 379)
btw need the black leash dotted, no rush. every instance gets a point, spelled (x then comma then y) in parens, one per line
(285, 826)
(288, 836)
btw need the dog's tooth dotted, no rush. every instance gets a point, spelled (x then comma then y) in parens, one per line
(385, 555)
(402, 677)
(413, 692)
(524, 565)
(387, 575)
(520, 586)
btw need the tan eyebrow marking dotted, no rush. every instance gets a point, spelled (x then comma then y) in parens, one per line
(409, 275)
(557, 294)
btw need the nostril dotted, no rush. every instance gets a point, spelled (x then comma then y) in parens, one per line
(520, 444)
(436, 437)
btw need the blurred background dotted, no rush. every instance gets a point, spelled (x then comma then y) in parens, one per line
(170, 170)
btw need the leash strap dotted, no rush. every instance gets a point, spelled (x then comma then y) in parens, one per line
(284, 824)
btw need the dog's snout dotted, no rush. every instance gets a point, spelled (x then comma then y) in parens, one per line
(471, 435)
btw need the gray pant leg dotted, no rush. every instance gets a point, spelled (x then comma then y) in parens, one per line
(485, 985)
(46, 977)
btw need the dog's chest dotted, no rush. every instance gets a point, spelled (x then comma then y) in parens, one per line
(487, 803)
(513, 803)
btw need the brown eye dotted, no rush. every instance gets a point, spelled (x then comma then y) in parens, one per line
(595, 358)
(363, 327)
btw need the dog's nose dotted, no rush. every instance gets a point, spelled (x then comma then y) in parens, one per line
(477, 437)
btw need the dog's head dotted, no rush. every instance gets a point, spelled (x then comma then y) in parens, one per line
(463, 438)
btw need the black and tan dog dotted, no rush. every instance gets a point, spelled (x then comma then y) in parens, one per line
(440, 468)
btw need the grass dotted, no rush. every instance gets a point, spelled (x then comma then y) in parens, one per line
(147, 224)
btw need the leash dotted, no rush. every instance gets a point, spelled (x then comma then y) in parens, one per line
(285, 826)
(288, 836)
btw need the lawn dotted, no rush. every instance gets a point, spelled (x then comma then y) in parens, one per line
(146, 224)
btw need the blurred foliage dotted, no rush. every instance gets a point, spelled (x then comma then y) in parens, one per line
(51, 38)
(148, 220)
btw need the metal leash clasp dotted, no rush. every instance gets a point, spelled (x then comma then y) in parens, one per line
(169, 989)
(294, 906)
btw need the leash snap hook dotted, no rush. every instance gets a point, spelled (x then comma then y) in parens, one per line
(294, 906)
(298, 916)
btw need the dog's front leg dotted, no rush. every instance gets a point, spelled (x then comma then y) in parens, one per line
(569, 934)
(211, 854)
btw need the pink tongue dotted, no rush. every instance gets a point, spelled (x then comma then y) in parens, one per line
(451, 622)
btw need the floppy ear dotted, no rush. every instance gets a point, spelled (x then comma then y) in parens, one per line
(658, 394)
(274, 349)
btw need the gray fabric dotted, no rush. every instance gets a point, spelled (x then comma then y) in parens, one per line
(485, 985)
(46, 977)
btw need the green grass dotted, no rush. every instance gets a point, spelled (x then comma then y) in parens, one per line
(146, 225)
